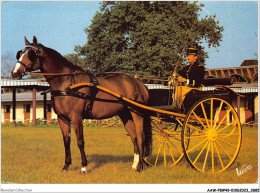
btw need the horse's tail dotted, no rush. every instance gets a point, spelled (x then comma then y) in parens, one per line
(148, 136)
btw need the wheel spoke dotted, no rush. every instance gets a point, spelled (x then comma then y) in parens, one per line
(211, 113)
(197, 136)
(200, 152)
(227, 135)
(171, 153)
(199, 119)
(196, 145)
(205, 115)
(175, 147)
(212, 156)
(206, 157)
(145, 159)
(193, 127)
(164, 155)
(226, 142)
(155, 128)
(169, 127)
(155, 131)
(157, 155)
(219, 155)
(217, 114)
(234, 122)
(223, 119)
(156, 139)
(179, 122)
(223, 150)
(174, 134)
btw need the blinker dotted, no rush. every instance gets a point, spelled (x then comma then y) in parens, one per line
(18, 55)
(32, 55)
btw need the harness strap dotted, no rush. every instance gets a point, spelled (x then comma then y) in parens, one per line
(22, 64)
(74, 93)
(93, 92)
(53, 74)
(55, 93)
(93, 77)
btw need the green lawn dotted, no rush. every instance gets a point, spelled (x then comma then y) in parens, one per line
(36, 156)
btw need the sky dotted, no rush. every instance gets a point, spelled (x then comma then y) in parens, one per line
(60, 25)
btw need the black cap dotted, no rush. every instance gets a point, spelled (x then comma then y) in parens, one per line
(192, 51)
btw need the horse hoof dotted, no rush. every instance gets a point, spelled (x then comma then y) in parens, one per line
(139, 168)
(64, 170)
(139, 171)
(83, 170)
(136, 169)
(66, 167)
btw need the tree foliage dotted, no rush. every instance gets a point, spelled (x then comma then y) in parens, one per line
(76, 59)
(146, 37)
(7, 61)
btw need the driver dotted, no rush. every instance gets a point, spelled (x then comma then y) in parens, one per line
(193, 74)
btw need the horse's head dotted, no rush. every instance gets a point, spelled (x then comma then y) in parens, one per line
(27, 60)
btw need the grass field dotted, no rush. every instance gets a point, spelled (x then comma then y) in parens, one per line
(36, 156)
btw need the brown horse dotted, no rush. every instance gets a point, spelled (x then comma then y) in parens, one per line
(88, 102)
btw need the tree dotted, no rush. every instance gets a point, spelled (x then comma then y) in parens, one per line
(7, 61)
(146, 37)
(76, 60)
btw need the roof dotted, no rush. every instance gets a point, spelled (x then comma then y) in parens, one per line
(229, 68)
(249, 62)
(239, 88)
(156, 86)
(23, 97)
(10, 83)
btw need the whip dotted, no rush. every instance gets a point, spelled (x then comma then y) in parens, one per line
(174, 71)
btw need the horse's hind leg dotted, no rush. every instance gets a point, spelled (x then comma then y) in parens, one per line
(78, 128)
(138, 122)
(126, 117)
(65, 129)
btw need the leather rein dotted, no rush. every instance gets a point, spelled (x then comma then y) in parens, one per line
(67, 91)
(54, 93)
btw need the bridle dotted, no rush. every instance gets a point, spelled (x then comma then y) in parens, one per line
(29, 68)
(32, 57)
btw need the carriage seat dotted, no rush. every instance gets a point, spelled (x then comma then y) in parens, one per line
(196, 93)
(217, 81)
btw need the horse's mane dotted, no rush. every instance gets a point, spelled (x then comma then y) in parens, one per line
(60, 58)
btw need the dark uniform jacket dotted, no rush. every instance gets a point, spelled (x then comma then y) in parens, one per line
(194, 73)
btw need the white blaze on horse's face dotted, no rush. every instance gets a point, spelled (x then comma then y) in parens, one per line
(18, 65)
(136, 161)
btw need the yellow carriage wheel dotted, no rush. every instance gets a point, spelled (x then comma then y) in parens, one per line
(167, 148)
(214, 132)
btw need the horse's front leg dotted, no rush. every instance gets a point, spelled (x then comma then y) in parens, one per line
(78, 127)
(65, 129)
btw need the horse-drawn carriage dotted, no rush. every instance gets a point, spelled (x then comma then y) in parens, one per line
(201, 125)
